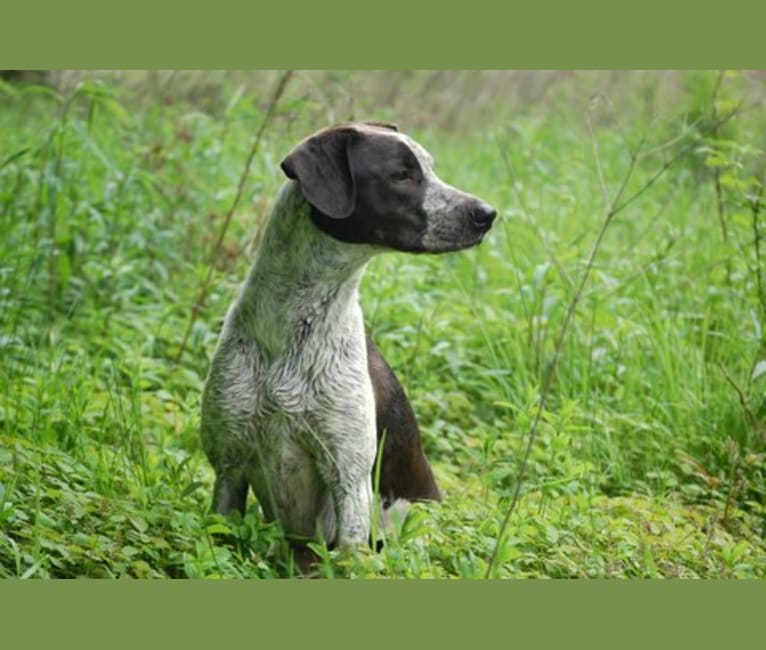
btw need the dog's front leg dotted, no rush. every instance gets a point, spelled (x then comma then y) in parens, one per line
(353, 511)
(346, 469)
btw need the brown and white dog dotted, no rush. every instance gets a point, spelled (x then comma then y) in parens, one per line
(297, 396)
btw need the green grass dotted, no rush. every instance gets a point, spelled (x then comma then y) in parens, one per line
(650, 456)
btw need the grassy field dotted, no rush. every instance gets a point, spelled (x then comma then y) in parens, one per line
(584, 419)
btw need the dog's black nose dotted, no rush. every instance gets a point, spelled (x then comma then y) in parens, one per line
(483, 215)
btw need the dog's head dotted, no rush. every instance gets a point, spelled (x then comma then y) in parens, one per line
(368, 183)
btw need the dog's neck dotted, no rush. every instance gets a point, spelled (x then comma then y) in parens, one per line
(300, 275)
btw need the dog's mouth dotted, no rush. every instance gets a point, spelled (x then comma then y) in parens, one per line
(434, 245)
(478, 239)
(460, 234)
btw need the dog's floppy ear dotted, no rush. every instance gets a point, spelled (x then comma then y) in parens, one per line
(321, 165)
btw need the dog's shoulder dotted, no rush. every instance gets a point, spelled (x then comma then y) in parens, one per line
(232, 380)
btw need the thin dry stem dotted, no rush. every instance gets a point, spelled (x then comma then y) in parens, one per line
(617, 206)
(720, 208)
(197, 307)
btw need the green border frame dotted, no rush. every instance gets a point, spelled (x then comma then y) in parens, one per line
(88, 34)
(395, 613)
(396, 34)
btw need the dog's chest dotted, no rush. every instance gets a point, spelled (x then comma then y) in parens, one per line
(291, 368)
(316, 371)
(316, 389)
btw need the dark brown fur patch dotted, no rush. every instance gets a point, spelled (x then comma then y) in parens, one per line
(404, 470)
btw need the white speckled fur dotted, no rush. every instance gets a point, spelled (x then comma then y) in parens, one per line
(288, 387)
(439, 201)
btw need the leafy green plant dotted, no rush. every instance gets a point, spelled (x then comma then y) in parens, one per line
(647, 458)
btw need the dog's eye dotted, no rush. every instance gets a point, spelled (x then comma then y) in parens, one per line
(400, 175)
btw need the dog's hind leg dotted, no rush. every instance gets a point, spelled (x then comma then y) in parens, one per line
(404, 469)
(229, 493)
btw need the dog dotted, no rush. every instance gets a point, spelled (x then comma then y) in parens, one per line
(298, 400)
